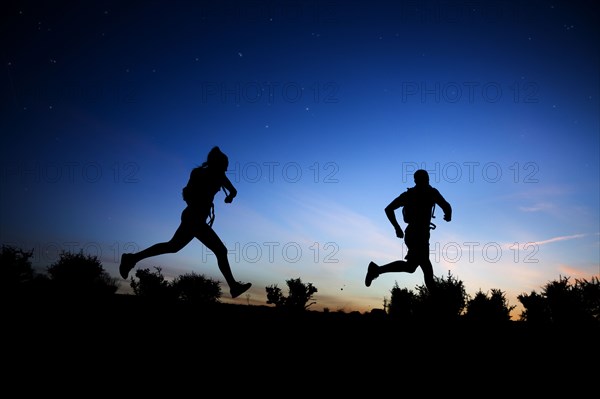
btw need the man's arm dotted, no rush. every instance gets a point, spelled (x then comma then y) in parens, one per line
(445, 205)
(390, 212)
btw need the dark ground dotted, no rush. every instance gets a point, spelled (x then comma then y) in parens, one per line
(234, 348)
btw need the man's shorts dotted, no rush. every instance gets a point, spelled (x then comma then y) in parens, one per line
(416, 239)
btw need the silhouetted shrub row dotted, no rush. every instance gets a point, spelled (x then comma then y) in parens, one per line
(560, 302)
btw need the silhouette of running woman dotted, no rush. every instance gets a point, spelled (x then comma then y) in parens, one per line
(197, 219)
(418, 203)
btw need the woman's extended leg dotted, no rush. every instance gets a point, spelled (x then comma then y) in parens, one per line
(179, 240)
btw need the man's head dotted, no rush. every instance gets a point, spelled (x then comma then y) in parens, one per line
(421, 177)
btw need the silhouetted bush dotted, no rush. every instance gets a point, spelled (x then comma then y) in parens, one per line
(445, 302)
(535, 308)
(563, 303)
(152, 285)
(189, 288)
(15, 268)
(402, 303)
(299, 294)
(590, 295)
(197, 289)
(488, 309)
(79, 274)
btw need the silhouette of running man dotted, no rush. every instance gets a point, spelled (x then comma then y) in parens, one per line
(418, 203)
(197, 219)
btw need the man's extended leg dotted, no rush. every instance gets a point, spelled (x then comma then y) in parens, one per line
(397, 266)
(428, 274)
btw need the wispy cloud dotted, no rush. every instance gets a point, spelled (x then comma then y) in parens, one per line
(453, 248)
(556, 239)
(536, 192)
(539, 207)
(576, 272)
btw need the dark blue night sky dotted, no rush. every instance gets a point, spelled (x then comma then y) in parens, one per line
(325, 109)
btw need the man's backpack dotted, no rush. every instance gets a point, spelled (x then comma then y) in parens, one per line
(414, 205)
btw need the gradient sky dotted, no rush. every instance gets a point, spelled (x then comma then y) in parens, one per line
(325, 109)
